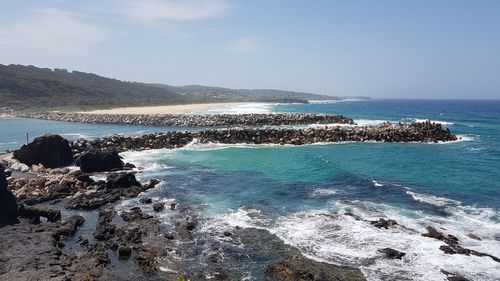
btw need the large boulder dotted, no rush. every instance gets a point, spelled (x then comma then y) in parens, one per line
(122, 180)
(51, 151)
(392, 254)
(96, 160)
(8, 202)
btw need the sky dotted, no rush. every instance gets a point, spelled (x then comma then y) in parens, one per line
(378, 48)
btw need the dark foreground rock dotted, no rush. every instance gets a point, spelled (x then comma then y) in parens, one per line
(50, 150)
(96, 160)
(35, 212)
(32, 252)
(8, 202)
(308, 270)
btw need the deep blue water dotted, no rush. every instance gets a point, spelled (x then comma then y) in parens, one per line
(288, 189)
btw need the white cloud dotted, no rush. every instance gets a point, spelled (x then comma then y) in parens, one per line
(245, 45)
(48, 33)
(174, 10)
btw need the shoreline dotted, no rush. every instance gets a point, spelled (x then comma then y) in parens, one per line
(92, 236)
(115, 240)
(169, 109)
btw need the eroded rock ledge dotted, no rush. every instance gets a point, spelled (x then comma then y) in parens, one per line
(199, 120)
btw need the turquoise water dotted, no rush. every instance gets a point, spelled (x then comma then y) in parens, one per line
(14, 130)
(289, 189)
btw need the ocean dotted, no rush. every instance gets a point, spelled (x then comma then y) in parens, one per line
(295, 192)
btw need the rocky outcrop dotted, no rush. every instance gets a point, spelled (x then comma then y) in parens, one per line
(50, 150)
(35, 212)
(184, 228)
(134, 214)
(67, 227)
(158, 207)
(96, 160)
(122, 180)
(452, 246)
(8, 202)
(105, 229)
(434, 233)
(392, 254)
(123, 185)
(383, 223)
(182, 120)
(46, 185)
(308, 270)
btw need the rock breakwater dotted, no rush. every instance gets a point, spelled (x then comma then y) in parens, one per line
(414, 132)
(182, 120)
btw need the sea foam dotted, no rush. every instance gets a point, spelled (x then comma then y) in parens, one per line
(343, 239)
(243, 108)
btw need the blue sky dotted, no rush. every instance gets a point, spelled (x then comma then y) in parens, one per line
(404, 49)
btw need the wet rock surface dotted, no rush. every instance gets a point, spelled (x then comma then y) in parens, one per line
(158, 207)
(383, 223)
(50, 150)
(304, 269)
(452, 246)
(35, 212)
(454, 277)
(392, 254)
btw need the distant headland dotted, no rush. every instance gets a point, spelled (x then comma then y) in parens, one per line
(32, 88)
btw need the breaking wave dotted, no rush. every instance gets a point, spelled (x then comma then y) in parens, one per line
(343, 239)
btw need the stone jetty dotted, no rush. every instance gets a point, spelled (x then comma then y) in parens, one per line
(413, 132)
(182, 120)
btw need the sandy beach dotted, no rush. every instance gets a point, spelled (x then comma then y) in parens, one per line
(173, 109)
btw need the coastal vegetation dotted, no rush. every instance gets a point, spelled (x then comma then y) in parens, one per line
(33, 88)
